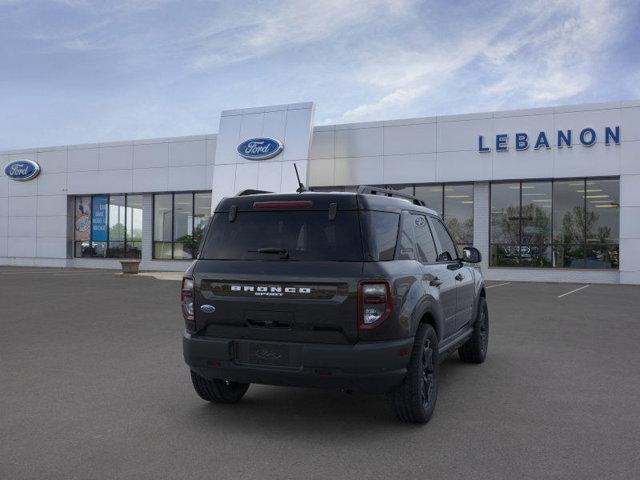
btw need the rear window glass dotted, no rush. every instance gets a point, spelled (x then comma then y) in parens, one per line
(382, 232)
(305, 235)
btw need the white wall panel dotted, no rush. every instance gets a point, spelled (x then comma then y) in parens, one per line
(630, 157)
(420, 138)
(273, 125)
(408, 168)
(84, 182)
(188, 178)
(322, 144)
(269, 176)
(358, 142)
(630, 191)
(22, 227)
(118, 157)
(52, 226)
(51, 247)
(297, 136)
(21, 246)
(83, 159)
(211, 150)
(581, 161)
(22, 189)
(321, 172)
(150, 180)
(463, 166)
(115, 181)
(463, 135)
(246, 176)
(22, 206)
(223, 183)
(51, 205)
(359, 171)
(228, 140)
(52, 183)
(151, 155)
(523, 164)
(4, 206)
(630, 124)
(53, 161)
(188, 153)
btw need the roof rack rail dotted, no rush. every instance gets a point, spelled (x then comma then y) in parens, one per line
(251, 191)
(366, 189)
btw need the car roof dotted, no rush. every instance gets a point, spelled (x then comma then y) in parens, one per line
(322, 200)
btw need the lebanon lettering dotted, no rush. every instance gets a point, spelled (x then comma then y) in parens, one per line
(562, 139)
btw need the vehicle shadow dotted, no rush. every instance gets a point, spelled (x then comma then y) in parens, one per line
(314, 412)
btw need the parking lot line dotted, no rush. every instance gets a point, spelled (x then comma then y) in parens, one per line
(498, 285)
(573, 291)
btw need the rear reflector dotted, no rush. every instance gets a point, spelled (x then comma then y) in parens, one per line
(284, 204)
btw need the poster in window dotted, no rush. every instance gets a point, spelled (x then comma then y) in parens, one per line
(99, 218)
(83, 219)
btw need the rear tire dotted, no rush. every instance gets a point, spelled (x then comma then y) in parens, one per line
(475, 350)
(218, 391)
(415, 400)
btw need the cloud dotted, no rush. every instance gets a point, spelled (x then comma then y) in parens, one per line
(260, 32)
(542, 53)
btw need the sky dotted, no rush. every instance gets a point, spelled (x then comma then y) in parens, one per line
(79, 71)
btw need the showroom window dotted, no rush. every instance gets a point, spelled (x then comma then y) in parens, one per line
(563, 224)
(108, 226)
(178, 221)
(453, 202)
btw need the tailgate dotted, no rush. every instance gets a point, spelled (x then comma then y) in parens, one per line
(310, 302)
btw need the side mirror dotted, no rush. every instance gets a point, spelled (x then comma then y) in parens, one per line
(471, 255)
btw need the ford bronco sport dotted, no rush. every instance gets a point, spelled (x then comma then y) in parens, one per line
(358, 291)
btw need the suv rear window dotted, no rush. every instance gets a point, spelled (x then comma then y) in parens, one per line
(305, 235)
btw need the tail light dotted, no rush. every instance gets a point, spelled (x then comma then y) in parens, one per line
(186, 298)
(374, 304)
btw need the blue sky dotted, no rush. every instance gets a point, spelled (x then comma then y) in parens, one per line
(76, 71)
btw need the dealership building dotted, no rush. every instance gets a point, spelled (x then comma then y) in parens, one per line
(547, 194)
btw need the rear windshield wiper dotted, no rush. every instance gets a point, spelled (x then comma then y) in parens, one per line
(283, 252)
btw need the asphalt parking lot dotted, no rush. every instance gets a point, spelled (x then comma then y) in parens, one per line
(93, 386)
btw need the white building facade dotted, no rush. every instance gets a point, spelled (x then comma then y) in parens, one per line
(549, 194)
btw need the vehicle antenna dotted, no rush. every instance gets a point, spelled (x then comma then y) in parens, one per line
(301, 188)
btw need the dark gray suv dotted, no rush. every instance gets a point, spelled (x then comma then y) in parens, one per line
(358, 291)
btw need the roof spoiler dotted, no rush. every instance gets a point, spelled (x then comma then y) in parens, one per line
(367, 190)
(251, 191)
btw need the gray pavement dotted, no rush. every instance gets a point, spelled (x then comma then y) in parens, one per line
(92, 386)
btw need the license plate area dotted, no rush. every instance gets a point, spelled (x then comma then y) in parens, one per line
(269, 354)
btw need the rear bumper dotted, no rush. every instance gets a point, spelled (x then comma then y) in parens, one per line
(373, 367)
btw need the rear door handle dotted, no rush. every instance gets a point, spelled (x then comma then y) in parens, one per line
(435, 282)
(459, 277)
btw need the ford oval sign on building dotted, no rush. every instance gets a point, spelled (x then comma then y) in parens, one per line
(22, 170)
(260, 148)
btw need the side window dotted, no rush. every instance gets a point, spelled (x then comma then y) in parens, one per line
(447, 250)
(382, 234)
(424, 240)
(406, 249)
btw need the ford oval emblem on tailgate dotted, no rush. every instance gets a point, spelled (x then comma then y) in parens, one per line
(207, 308)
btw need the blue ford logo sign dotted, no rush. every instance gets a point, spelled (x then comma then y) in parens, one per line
(260, 148)
(22, 170)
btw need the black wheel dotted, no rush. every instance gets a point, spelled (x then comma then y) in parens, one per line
(218, 391)
(475, 350)
(415, 400)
